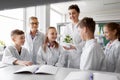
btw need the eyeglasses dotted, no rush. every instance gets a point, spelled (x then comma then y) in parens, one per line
(36, 23)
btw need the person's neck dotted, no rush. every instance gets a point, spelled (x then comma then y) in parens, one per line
(89, 37)
(75, 22)
(18, 47)
(112, 40)
(33, 33)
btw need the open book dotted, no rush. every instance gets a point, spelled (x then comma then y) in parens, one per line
(43, 69)
(3, 65)
(84, 75)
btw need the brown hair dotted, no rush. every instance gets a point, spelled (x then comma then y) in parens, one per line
(89, 23)
(114, 26)
(46, 40)
(74, 7)
(16, 32)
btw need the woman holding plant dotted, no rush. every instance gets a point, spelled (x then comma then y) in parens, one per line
(72, 38)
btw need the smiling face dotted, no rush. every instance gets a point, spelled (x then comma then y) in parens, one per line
(109, 34)
(34, 24)
(52, 34)
(73, 15)
(19, 39)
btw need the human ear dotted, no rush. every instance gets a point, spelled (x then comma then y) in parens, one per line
(115, 32)
(85, 29)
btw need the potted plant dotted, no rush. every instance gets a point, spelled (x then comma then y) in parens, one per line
(2, 45)
(67, 41)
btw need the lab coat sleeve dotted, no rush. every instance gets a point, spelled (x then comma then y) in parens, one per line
(40, 56)
(80, 46)
(117, 59)
(118, 66)
(8, 58)
(93, 60)
(62, 58)
(103, 66)
(88, 63)
(27, 55)
(43, 38)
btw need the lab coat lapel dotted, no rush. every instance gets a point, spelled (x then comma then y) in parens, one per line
(110, 46)
(16, 53)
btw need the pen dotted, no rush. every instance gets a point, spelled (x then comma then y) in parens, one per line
(36, 69)
(91, 76)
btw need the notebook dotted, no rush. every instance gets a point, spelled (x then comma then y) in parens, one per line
(84, 75)
(43, 69)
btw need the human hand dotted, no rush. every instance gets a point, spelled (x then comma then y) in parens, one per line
(69, 48)
(24, 63)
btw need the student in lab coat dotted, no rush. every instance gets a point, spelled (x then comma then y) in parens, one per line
(72, 30)
(51, 52)
(16, 54)
(33, 38)
(112, 50)
(92, 55)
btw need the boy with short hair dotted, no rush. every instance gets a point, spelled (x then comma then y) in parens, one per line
(16, 54)
(92, 54)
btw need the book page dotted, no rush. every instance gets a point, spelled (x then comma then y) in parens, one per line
(81, 75)
(28, 69)
(3, 65)
(48, 69)
(103, 76)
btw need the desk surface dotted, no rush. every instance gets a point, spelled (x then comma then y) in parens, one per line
(7, 73)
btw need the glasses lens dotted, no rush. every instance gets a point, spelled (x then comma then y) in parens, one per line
(35, 23)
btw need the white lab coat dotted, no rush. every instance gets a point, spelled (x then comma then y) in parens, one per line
(73, 32)
(92, 56)
(74, 55)
(118, 65)
(112, 53)
(52, 56)
(11, 54)
(33, 44)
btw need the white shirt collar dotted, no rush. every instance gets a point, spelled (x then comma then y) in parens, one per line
(116, 40)
(89, 42)
(76, 25)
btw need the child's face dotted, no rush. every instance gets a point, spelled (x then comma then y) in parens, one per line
(109, 34)
(34, 24)
(73, 14)
(19, 39)
(52, 35)
(82, 33)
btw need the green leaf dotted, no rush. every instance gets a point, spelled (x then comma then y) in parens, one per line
(68, 39)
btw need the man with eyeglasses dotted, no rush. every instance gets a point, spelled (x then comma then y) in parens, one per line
(34, 38)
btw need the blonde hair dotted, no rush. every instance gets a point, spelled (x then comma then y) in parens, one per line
(46, 40)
